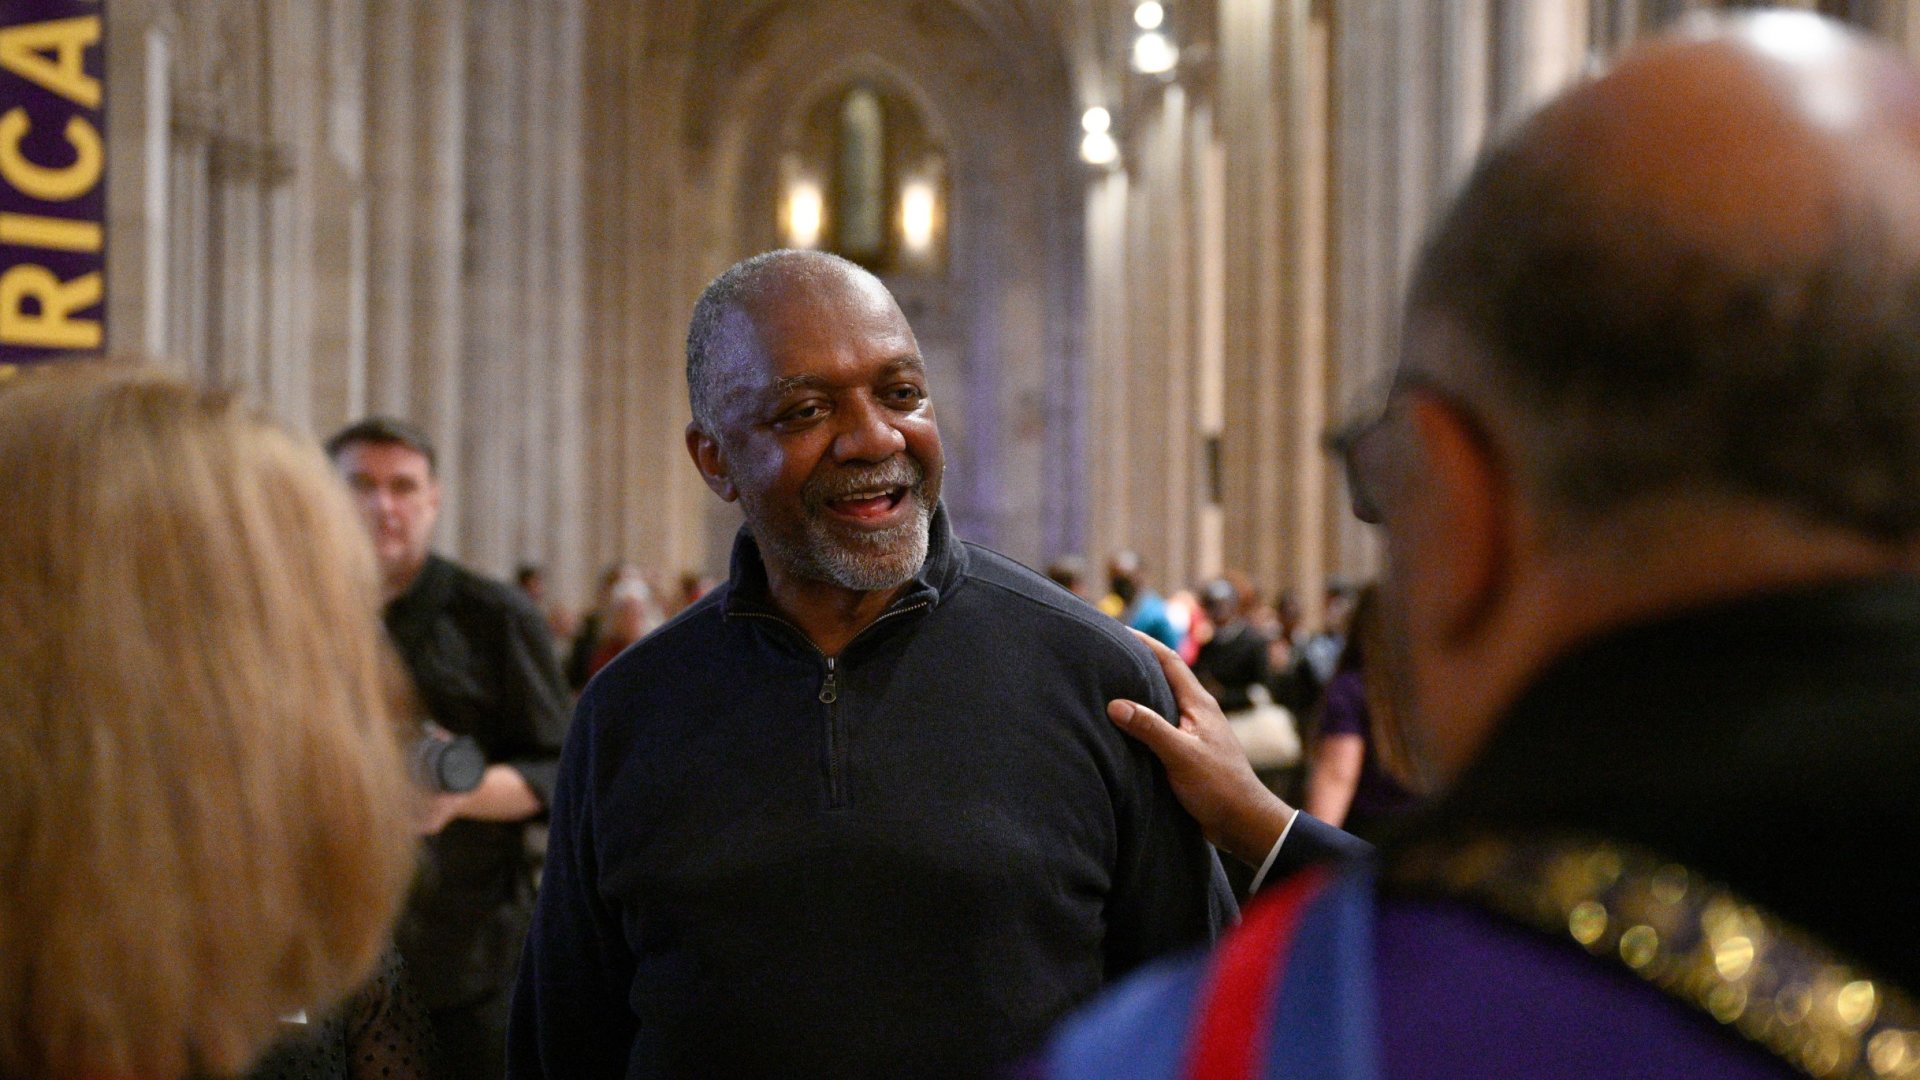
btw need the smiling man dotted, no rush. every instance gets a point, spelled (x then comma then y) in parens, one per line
(858, 812)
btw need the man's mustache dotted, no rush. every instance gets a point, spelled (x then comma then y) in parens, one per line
(900, 471)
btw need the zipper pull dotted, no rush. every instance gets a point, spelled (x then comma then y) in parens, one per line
(830, 690)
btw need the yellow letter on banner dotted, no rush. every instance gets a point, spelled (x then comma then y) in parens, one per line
(50, 185)
(51, 328)
(54, 234)
(24, 49)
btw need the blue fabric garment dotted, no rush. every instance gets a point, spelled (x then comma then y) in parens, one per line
(1148, 614)
(1314, 1016)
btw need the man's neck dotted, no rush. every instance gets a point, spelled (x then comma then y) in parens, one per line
(396, 580)
(829, 615)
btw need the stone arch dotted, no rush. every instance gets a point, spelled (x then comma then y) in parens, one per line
(998, 328)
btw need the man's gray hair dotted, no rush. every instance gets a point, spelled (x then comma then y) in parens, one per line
(1635, 363)
(738, 288)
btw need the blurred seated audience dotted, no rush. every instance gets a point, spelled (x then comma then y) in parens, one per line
(532, 580)
(586, 643)
(631, 615)
(1134, 603)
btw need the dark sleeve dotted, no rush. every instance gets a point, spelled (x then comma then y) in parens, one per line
(1311, 842)
(570, 1016)
(532, 701)
(1170, 893)
(388, 1034)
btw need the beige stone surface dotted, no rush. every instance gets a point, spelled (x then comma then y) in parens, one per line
(493, 216)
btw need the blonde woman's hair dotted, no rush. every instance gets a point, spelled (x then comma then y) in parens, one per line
(204, 818)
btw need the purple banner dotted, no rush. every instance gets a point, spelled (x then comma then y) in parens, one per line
(53, 194)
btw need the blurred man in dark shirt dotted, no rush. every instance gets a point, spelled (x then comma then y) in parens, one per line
(483, 666)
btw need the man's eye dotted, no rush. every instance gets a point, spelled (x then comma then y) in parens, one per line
(906, 394)
(803, 413)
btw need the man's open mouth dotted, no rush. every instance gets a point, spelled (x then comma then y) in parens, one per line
(868, 505)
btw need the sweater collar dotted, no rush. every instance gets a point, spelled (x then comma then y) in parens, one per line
(748, 591)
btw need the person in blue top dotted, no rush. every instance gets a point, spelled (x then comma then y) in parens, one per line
(1135, 603)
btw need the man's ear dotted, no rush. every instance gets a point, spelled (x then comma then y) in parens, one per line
(1468, 517)
(712, 463)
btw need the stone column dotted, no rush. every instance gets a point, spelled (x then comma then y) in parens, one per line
(1066, 448)
(1254, 358)
(138, 73)
(534, 304)
(391, 137)
(242, 164)
(1107, 363)
(291, 136)
(340, 243)
(188, 263)
(436, 315)
(1207, 218)
(1311, 493)
(1158, 435)
(613, 45)
(1539, 46)
(1400, 146)
(570, 436)
(494, 300)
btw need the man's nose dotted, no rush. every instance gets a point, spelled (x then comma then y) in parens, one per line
(378, 501)
(867, 433)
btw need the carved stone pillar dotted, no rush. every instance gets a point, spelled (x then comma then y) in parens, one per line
(1107, 361)
(391, 136)
(1539, 45)
(189, 146)
(494, 300)
(435, 316)
(1255, 360)
(138, 71)
(338, 167)
(569, 437)
(291, 71)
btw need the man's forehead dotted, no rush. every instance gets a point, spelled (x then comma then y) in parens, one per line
(366, 458)
(789, 331)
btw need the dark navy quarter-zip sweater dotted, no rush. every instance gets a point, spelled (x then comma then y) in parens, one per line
(907, 860)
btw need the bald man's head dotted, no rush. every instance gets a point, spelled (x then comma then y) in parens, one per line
(1700, 273)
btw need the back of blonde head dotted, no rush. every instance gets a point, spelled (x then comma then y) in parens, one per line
(203, 815)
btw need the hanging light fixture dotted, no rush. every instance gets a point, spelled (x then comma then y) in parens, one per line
(918, 208)
(1154, 54)
(1096, 145)
(806, 213)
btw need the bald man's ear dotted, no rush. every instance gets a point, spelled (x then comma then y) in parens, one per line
(1468, 511)
(712, 464)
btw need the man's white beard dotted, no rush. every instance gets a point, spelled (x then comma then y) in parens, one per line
(866, 562)
(882, 560)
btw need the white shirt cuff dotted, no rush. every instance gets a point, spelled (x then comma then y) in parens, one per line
(1267, 863)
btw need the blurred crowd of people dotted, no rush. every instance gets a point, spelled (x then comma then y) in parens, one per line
(1296, 689)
